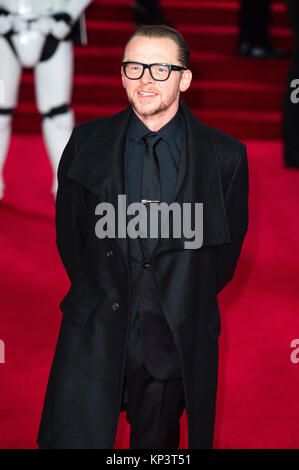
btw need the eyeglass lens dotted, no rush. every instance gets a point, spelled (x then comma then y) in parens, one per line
(159, 72)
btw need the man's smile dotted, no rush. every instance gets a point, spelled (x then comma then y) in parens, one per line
(146, 94)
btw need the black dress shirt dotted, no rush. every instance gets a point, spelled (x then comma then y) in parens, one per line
(168, 151)
(159, 350)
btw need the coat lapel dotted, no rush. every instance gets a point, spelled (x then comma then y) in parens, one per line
(199, 180)
(100, 167)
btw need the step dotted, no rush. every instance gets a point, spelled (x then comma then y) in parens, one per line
(244, 125)
(164, 3)
(221, 39)
(202, 93)
(189, 12)
(194, 2)
(106, 61)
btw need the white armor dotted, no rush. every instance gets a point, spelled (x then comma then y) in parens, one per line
(34, 8)
(29, 23)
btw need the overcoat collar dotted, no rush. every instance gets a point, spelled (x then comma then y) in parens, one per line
(100, 166)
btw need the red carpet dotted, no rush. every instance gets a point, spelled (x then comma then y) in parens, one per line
(258, 384)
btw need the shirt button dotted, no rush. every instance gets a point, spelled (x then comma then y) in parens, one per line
(147, 265)
(110, 253)
(115, 306)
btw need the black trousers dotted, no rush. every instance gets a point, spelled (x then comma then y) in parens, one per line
(290, 109)
(254, 22)
(154, 407)
(153, 389)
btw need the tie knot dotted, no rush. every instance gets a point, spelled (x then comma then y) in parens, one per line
(151, 139)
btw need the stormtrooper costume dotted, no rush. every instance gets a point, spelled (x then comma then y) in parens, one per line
(40, 35)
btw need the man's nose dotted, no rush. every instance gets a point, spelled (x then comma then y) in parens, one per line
(146, 77)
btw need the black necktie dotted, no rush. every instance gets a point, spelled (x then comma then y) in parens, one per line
(150, 184)
(151, 172)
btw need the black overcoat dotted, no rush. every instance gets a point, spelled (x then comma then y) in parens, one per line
(84, 393)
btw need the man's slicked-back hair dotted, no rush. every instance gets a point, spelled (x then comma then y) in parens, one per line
(163, 31)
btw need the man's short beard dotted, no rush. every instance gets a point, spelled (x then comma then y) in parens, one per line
(162, 107)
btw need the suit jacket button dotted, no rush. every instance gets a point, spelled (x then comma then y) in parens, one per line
(147, 265)
(110, 253)
(115, 306)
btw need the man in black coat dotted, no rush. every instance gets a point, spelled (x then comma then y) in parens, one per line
(141, 321)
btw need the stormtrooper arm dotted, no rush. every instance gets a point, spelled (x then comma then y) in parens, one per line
(73, 10)
(61, 23)
(65, 20)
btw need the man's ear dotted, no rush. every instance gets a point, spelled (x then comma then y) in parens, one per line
(185, 80)
(123, 77)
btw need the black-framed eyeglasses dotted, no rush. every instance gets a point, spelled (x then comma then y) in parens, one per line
(160, 72)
